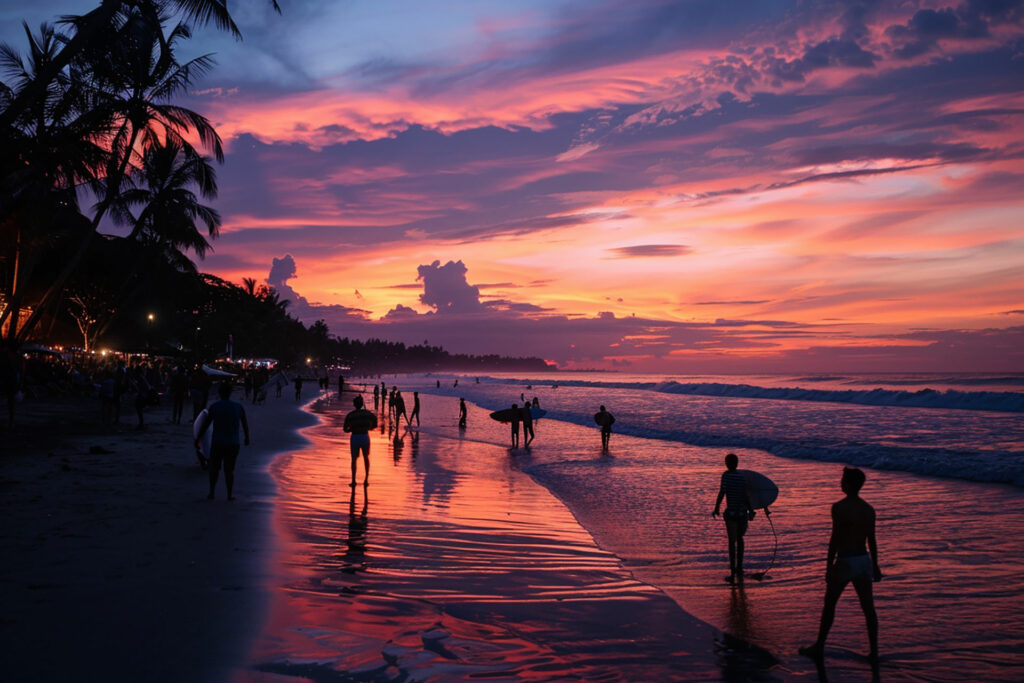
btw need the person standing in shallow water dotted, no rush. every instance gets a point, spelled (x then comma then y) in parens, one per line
(606, 421)
(415, 409)
(515, 425)
(358, 423)
(462, 413)
(738, 511)
(226, 416)
(852, 556)
(527, 425)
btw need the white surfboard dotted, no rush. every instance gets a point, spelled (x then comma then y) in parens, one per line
(207, 441)
(761, 490)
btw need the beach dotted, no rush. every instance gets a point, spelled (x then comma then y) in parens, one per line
(463, 558)
(116, 566)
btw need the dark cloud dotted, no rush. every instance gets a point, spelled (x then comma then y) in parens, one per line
(446, 290)
(833, 52)
(651, 250)
(923, 32)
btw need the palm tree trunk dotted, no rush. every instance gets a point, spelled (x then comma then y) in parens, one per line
(57, 286)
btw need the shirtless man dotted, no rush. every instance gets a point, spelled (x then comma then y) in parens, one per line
(852, 556)
(515, 425)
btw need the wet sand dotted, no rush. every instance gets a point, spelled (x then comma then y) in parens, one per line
(116, 567)
(453, 564)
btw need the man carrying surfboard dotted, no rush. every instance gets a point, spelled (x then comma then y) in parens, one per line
(605, 420)
(852, 556)
(226, 416)
(738, 511)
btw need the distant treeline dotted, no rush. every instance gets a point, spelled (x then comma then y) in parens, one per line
(377, 356)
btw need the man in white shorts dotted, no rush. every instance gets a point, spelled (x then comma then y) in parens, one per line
(359, 422)
(852, 557)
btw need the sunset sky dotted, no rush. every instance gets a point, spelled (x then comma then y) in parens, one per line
(698, 186)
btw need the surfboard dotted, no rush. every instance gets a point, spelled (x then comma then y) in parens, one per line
(599, 419)
(761, 490)
(204, 448)
(505, 415)
(214, 372)
(537, 413)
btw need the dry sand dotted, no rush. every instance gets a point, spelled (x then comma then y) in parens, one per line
(116, 567)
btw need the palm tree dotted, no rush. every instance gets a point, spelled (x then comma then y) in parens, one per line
(171, 213)
(94, 25)
(133, 81)
(56, 146)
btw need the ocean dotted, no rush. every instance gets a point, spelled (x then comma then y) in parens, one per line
(944, 456)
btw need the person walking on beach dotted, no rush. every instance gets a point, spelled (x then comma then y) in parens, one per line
(179, 389)
(358, 423)
(606, 420)
(226, 416)
(738, 511)
(415, 408)
(527, 424)
(462, 413)
(515, 425)
(298, 389)
(400, 409)
(852, 556)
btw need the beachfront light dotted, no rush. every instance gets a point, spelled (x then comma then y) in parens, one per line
(150, 317)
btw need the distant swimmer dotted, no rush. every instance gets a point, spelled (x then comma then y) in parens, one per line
(852, 556)
(738, 511)
(462, 413)
(527, 425)
(359, 422)
(605, 420)
(515, 425)
(225, 416)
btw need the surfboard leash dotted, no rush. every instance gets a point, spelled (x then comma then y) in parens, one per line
(760, 576)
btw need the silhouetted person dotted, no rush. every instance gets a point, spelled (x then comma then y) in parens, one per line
(179, 389)
(415, 408)
(462, 413)
(606, 420)
(515, 425)
(456, 383)
(198, 390)
(527, 424)
(738, 511)
(298, 389)
(359, 422)
(438, 383)
(226, 416)
(376, 397)
(400, 408)
(852, 556)
(341, 384)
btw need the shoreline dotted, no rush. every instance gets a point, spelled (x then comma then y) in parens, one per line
(118, 566)
(454, 564)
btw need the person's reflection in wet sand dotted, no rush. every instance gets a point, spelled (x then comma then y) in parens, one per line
(737, 622)
(397, 444)
(415, 441)
(354, 558)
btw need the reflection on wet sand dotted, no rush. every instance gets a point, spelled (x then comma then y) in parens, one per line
(467, 569)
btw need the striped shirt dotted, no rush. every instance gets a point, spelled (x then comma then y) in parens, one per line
(735, 486)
